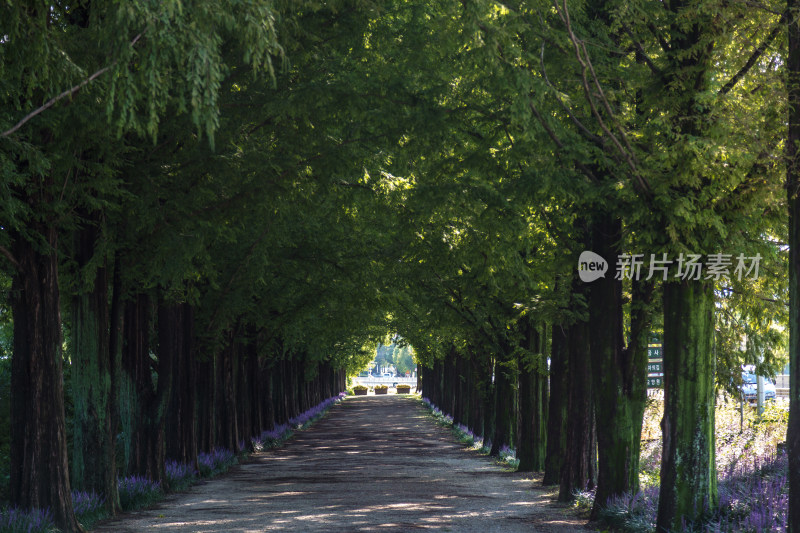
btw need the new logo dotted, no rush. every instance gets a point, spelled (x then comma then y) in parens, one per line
(591, 266)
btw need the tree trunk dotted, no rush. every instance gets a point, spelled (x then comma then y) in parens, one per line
(266, 388)
(504, 377)
(619, 377)
(688, 474)
(39, 470)
(793, 188)
(557, 412)
(181, 426)
(244, 390)
(476, 400)
(226, 396)
(206, 404)
(532, 405)
(116, 318)
(93, 454)
(487, 400)
(143, 405)
(576, 472)
(540, 399)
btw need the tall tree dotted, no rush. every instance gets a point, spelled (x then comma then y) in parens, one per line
(793, 190)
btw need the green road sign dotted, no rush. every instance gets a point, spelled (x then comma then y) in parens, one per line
(654, 351)
(655, 368)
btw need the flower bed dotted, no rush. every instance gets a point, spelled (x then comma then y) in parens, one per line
(403, 389)
(360, 390)
(381, 389)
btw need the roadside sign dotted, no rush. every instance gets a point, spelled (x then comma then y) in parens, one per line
(654, 351)
(655, 366)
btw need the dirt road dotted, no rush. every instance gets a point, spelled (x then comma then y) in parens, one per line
(374, 463)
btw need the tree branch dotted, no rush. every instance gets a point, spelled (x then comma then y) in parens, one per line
(69, 92)
(583, 168)
(6, 252)
(578, 124)
(639, 48)
(757, 53)
(582, 55)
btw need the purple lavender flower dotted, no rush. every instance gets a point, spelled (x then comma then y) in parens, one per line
(313, 413)
(86, 503)
(33, 521)
(215, 462)
(136, 492)
(179, 475)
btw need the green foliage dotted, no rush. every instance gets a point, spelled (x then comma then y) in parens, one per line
(320, 173)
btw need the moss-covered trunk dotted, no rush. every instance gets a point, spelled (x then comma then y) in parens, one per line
(93, 455)
(531, 440)
(39, 470)
(619, 377)
(540, 405)
(688, 473)
(793, 188)
(143, 403)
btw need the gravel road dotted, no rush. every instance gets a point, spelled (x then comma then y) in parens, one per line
(373, 463)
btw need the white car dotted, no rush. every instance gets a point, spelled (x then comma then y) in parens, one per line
(750, 387)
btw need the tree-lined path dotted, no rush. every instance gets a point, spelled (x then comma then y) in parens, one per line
(372, 464)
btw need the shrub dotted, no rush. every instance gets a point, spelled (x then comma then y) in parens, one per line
(360, 388)
(136, 492)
